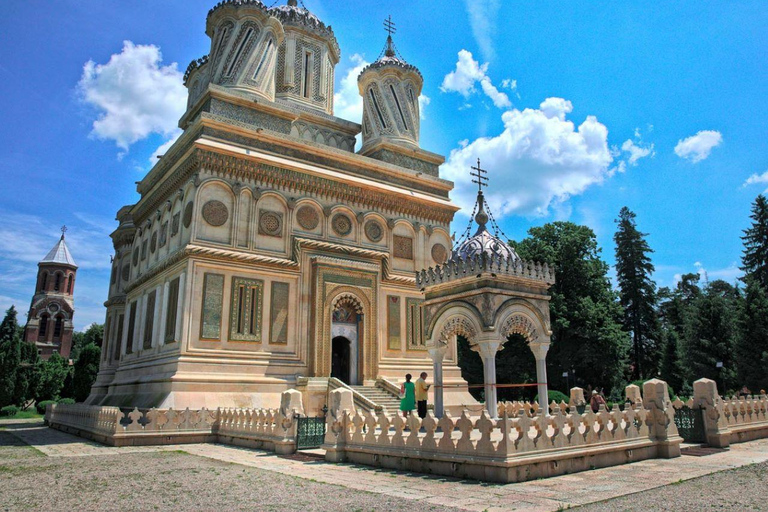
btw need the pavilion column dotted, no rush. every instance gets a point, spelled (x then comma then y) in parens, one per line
(540, 350)
(438, 354)
(487, 350)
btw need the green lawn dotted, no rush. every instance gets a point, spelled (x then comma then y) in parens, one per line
(30, 413)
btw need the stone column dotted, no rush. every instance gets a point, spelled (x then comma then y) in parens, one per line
(716, 429)
(661, 418)
(438, 354)
(540, 350)
(487, 350)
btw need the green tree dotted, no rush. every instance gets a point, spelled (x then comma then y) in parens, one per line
(755, 258)
(712, 334)
(86, 369)
(672, 328)
(586, 316)
(94, 334)
(637, 294)
(10, 356)
(52, 373)
(27, 376)
(751, 348)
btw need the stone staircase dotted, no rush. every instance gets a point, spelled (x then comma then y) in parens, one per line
(379, 396)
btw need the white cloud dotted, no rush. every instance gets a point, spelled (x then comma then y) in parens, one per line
(757, 179)
(538, 161)
(134, 94)
(424, 100)
(729, 274)
(509, 83)
(482, 20)
(164, 147)
(697, 147)
(637, 151)
(467, 74)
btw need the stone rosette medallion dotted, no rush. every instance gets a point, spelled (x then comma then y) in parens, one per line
(439, 253)
(187, 215)
(270, 223)
(307, 217)
(341, 224)
(374, 230)
(215, 213)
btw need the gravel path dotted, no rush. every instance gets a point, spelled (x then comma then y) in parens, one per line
(737, 490)
(167, 481)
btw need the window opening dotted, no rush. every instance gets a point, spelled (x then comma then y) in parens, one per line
(263, 59)
(397, 102)
(239, 51)
(378, 111)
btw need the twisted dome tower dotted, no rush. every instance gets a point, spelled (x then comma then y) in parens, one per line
(244, 36)
(390, 88)
(306, 59)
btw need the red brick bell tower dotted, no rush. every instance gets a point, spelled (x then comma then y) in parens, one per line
(49, 321)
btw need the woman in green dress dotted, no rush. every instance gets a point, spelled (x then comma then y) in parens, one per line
(408, 392)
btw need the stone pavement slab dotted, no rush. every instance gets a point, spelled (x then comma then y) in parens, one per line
(543, 495)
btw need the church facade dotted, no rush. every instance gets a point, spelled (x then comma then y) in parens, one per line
(265, 253)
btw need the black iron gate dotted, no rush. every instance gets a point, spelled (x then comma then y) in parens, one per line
(690, 424)
(310, 432)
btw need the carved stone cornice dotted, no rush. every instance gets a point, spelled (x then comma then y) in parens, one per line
(117, 300)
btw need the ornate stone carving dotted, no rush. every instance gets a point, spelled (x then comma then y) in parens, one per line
(135, 256)
(520, 324)
(460, 326)
(342, 224)
(374, 231)
(403, 247)
(175, 224)
(215, 213)
(350, 301)
(126, 272)
(270, 223)
(153, 243)
(439, 253)
(307, 217)
(163, 234)
(187, 214)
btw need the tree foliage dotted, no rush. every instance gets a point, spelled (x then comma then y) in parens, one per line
(86, 369)
(94, 334)
(637, 294)
(53, 373)
(586, 316)
(755, 258)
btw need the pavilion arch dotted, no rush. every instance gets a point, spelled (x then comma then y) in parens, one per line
(458, 319)
(518, 317)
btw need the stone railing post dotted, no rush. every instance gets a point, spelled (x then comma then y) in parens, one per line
(290, 407)
(342, 403)
(705, 395)
(576, 399)
(633, 395)
(661, 418)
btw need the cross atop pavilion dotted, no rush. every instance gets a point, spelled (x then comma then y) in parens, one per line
(63, 231)
(480, 178)
(390, 28)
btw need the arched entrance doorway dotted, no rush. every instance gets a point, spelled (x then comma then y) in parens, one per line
(345, 341)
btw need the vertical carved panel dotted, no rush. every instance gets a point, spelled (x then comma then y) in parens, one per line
(213, 299)
(245, 309)
(393, 322)
(278, 317)
(415, 323)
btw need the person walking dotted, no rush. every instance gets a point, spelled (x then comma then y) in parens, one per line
(407, 392)
(422, 393)
(596, 400)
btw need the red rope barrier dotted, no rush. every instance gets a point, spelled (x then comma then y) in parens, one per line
(483, 386)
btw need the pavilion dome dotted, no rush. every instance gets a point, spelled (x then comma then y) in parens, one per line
(483, 241)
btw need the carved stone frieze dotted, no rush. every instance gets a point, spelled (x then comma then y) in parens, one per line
(215, 213)
(402, 247)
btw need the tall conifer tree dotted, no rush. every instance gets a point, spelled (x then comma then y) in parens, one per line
(755, 259)
(638, 294)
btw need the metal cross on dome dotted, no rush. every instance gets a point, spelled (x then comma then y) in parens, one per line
(481, 179)
(389, 26)
(63, 231)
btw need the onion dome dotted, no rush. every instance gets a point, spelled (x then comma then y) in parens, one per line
(306, 60)
(483, 241)
(390, 88)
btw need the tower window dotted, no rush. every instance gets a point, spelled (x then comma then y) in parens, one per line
(378, 110)
(239, 51)
(149, 320)
(173, 302)
(397, 102)
(131, 328)
(57, 283)
(43, 281)
(263, 58)
(57, 327)
(43, 330)
(307, 77)
(69, 284)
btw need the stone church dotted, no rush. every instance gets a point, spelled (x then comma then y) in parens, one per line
(265, 253)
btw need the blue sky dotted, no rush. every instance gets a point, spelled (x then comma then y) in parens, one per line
(576, 108)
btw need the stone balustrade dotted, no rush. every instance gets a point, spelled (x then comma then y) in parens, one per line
(271, 429)
(458, 268)
(512, 448)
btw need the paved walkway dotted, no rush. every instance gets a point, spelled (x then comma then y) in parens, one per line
(548, 494)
